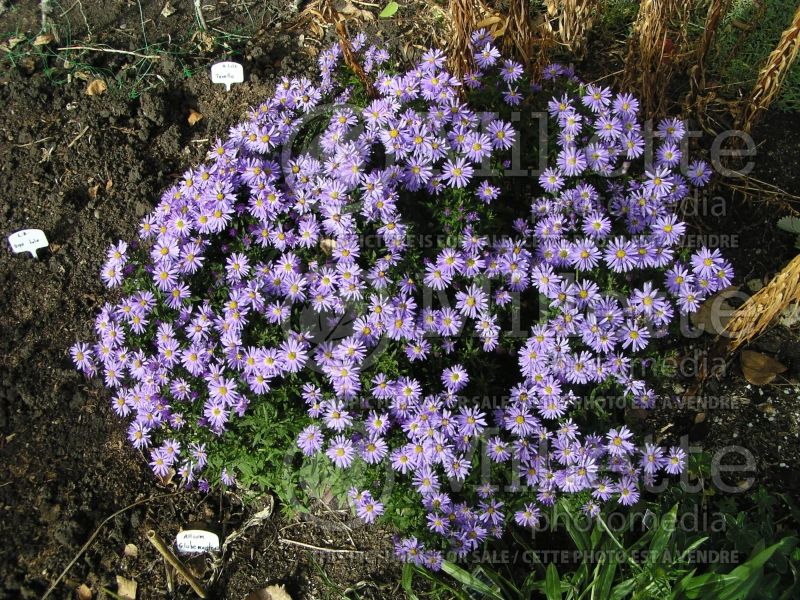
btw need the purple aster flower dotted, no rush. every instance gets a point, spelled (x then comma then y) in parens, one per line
(628, 491)
(528, 517)
(620, 255)
(653, 459)
(618, 441)
(502, 134)
(374, 450)
(139, 435)
(572, 161)
(668, 154)
(551, 180)
(310, 440)
(341, 451)
(511, 71)
(698, 172)
(216, 415)
(457, 174)
(487, 56)
(626, 104)
(368, 509)
(675, 463)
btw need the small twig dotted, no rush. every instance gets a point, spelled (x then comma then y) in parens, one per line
(111, 51)
(32, 143)
(77, 137)
(318, 548)
(85, 547)
(175, 563)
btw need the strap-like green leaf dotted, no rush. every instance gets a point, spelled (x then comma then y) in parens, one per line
(552, 587)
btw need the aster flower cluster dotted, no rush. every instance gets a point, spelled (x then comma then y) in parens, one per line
(214, 290)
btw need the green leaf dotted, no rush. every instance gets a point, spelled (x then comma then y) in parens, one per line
(578, 535)
(790, 224)
(604, 580)
(468, 580)
(389, 10)
(408, 576)
(552, 585)
(664, 530)
(749, 574)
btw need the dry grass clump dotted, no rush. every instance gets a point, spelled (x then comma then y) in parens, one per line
(772, 75)
(761, 309)
(573, 20)
(655, 50)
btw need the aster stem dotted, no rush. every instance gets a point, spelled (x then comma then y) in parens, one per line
(617, 544)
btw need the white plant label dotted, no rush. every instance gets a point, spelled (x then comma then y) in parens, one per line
(227, 72)
(196, 540)
(28, 240)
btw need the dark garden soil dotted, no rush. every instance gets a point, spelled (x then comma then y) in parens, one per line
(85, 169)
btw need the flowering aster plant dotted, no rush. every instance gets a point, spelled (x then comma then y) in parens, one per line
(276, 285)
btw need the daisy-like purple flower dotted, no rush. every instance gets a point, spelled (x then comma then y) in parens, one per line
(619, 441)
(341, 451)
(457, 173)
(620, 255)
(528, 516)
(310, 440)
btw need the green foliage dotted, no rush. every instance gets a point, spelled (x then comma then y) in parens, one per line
(651, 557)
(792, 225)
(745, 38)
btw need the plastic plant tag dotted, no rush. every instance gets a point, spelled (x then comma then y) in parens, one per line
(196, 540)
(28, 240)
(227, 72)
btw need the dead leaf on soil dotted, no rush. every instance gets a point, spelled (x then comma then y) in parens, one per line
(194, 117)
(126, 588)
(131, 550)
(760, 369)
(84, 592)
(43, 39)
(93, 191)
(353, 12)
(204, 41)
(11, 43)
(167, 479)
(96, 87)
(714, 314)
(168, 10)
(109, 184)
(273, 592)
